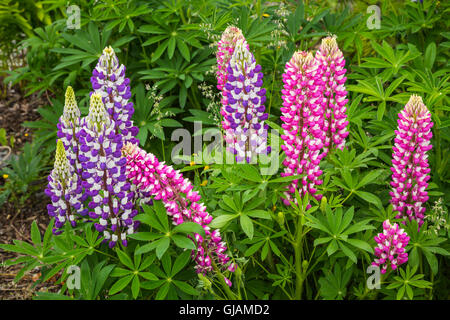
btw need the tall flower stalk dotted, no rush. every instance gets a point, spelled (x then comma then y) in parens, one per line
(225, 50)
(302, 123)
(108, 79)
(332, 64)
(410, 169)
(247, 135)
(104, 175)
(182, 203)
(65, 191)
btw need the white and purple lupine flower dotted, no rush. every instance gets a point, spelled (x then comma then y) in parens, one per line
(246, 136)
(225, 50)
(390, 249)
(69, 128)
(410, 169)
(65, 191)
(104, 175)
(108, 80)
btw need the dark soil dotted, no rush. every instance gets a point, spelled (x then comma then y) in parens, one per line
(15, 221)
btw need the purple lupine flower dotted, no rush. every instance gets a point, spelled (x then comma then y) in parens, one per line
(410, 169)
(247, 135)
(390, 249)
(64, 190)
(225, 49)
(104, 175)
(69, 128)
(108, 80)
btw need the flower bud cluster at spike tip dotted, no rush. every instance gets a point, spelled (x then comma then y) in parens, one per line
(224, 52)
(331, 62)
(108, 79)
(64, 189)
(164, 183)
(69, 127)
(302, 123)
(247, 135)
(390, 250)
(410, 169)
(104, 175)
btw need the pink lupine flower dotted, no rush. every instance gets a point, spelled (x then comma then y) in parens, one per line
(390, 250)
(410, 169)
(225, 50)
(162, 182)
(302, 123)
(332, 63)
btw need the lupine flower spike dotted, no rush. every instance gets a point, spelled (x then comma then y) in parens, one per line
(302, 123)
(332, 63)
(225, 50)
(104, 175)
(64, 190)
(69, 127)
(108, 80)
(390, 250)
(410, 169)
(247, 135)
(164, 183)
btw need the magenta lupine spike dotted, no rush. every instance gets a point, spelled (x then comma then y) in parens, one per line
(224, 53)
(332, 64)
(302, 123)
(247, 135)
(164, 183)
(410, 169)
(390, 250)
(108, 79)
(64, 189)
(104, 175)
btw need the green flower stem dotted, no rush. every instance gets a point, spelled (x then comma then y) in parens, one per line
(298, 249)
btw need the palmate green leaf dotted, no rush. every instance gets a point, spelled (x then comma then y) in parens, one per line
(135, 287)
(360, 244)
(189, 227)
(247, 225)
(120, 284)
(35, 234)
(162, 247)
(222, 220)
(180, 262)
(369, 197)
(185, 287)
(349, 253)
(183, 242)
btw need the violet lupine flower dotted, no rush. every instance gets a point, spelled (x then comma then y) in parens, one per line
(391, 247)
(64, 189)
(302, 116)
(224, 53)
(164, 183)
(104, 175)
(332, 63)
(247, 135)
(69, 127)
(108, 79)
(410, 169)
